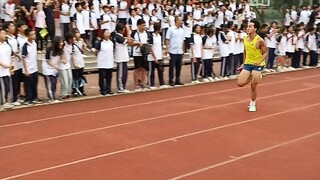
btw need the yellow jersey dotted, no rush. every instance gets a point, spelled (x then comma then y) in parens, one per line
(253, 55)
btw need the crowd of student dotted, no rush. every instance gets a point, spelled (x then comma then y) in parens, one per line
(115, 30)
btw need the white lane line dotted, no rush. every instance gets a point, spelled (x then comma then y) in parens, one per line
(154, 143)
(146, 119)
(147, 103)
(245, 156)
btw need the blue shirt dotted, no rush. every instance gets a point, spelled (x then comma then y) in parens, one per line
(176, 37)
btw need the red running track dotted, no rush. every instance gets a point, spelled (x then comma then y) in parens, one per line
(194, 132)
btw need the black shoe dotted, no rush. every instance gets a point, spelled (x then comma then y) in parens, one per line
(171, 83)
(179, 83)
(110, 93)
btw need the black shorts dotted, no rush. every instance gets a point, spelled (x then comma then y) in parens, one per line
(289, 54)
(139, 62)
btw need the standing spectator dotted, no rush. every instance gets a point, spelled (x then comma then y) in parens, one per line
(9, 10)
(209, 42)
(27, 7)
(30, 67)
(122, 56)
(123, 11)
(10, 29)
(77, 65)
(5, 74)
(65, 17)
(79, 20)
(40, 25)
(114, 18)
(304, 15)
(195, 52)
(49, 5)
(175, 47)
(105, 19)
(65, 73)
(271, 44)
(93, 26)
(105, 59)
(50, 67)
(140, 37)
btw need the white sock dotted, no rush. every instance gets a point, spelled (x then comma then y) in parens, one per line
(252, 103)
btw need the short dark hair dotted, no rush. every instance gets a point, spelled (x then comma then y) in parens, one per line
(140, 21)
(195, 27)
(28, 31)
(157, 27)
(256, 23)
(69, 35)
(77, 5)
(120, 27)
(20, 24)
(6, 25)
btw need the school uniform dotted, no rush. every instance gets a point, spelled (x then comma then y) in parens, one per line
(17, 77)
(230, 64)
(187, 29)
(122, 12)
(79, 20)
(29, 54)
(40, 24)
(299, 48)
(209, 44)
(77, 69)
(311, 43)
(153, 19)
(5, 75)
(9, 12)
(224, 52)
(196, 45)
(157, 49)
(291, 45)
(86, 23)
(144, 37)
(64, 20)
(50, 73)
(121, 58)
(271, 44)
(65, 72)
(94, 28)
(113, 23)
(133, 22)
(105, 60)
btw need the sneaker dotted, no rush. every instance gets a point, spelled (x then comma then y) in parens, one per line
(205, 80)
(272, 70)
(152, 88)
(120, 91)
(7, 106)
(291, 68)
(195, 82)
(126, 91)
(280, 69)
(179, 83)
(252, 108)
(225, 78)
(217, 79)
(16, 103)
(163, 86)
(210, 78)
(266, 70)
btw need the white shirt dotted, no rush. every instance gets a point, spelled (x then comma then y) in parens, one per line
(105, 58)
(219, 19)
(123, 14)
(9, 9)
(29, 53)
(232, 42)
(196, 42)
(121, 49)
(223, 47)
(77, 55)
(106, 25)
(291, 41)
(67, 51)
(64, 8)
(114, 18)
(96, 8)
(209, 46)
(93, 20)
(153, 19)
(187, 29)
(157, 48)
(300, 41)
(139, 37)
(48, 70)
(15, 48)
(5, 58)
(80, 23)
(40, 19)
(86, 19)
(304, 17)
(271, 43)
(312, 42)
(133, 22)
